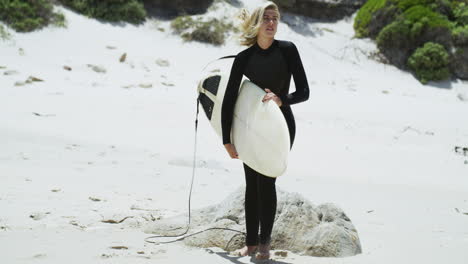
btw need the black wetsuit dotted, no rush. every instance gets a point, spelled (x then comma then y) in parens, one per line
(268, 68)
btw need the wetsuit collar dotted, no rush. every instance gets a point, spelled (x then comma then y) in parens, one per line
(268, 50)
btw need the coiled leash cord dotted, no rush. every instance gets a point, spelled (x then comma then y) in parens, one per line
(184, 235)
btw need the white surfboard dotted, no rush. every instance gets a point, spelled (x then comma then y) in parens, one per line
(259, 130)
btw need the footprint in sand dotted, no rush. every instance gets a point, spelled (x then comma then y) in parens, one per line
(209, 164)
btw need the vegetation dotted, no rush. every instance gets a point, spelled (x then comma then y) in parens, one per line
(402, 28)
(212, 31)
(364, 16)
(460, 36)
(131, 11)
(29, 15)
(430, 62)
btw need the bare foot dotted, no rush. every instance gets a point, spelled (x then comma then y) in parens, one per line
(245, 251)
(263, 252)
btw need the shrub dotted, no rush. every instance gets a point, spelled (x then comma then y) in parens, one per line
(425, 16)
(364, 16)
(28, 15)
(416, 26)
(460, 11)
(131, 11)
(212, 31)
(460, 36)
(430, 63)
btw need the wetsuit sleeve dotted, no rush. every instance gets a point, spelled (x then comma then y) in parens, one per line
(230, 97)
(300, 80)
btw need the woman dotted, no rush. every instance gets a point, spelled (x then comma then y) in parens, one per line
(269, 63)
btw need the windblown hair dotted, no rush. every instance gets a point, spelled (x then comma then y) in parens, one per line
(252, 22)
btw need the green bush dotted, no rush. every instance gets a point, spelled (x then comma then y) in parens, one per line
(430, 63)
(28, 15)
(411, 25)
(212, 31)
(396, 34)
(405, 4)
(131, 11)
(426, 16)
(460, 36)
(364, 16)
(460, 11)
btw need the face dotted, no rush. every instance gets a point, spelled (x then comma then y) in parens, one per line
(269, 24)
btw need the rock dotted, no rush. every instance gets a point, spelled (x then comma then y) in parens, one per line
(463, 97)
(11, 72)
(119, 247)
(20, 83)
(98, 69)
(176, 7)
(162, 63)
(94, 199)
(123, 57)
(145, 85)
(39, 215)
(330, 10)
(299, 227)
(167, 84)
(67, 68)
(33, 79)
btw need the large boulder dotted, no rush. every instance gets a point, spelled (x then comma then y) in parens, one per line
(299, 227)
(177, 7)
(330, 10)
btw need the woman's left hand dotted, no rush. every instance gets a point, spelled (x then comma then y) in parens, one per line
(271, 96)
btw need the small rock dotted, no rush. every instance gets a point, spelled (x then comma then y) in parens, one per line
(68, 68)
(112, 221)
(40, 256)
(140, 252)
(11, 72)
(55, 190)
(282, 254)
(167, 84)
(21, 51)
(128, 86)
(106, 256)
(39, 216)
(385, 92)
(161, 29)
(146, 85)
(20, 83)
(33, 79)
(119, 247)
(123, 57)
(162, 63)
(94, 199)
(111, 47)
(98, 69)
(463, 97)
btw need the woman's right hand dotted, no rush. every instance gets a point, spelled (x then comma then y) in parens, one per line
(231, 149)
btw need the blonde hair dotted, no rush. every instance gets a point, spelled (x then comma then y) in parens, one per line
(251, 22)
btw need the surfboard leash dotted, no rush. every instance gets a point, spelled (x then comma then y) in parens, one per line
(184, 235)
